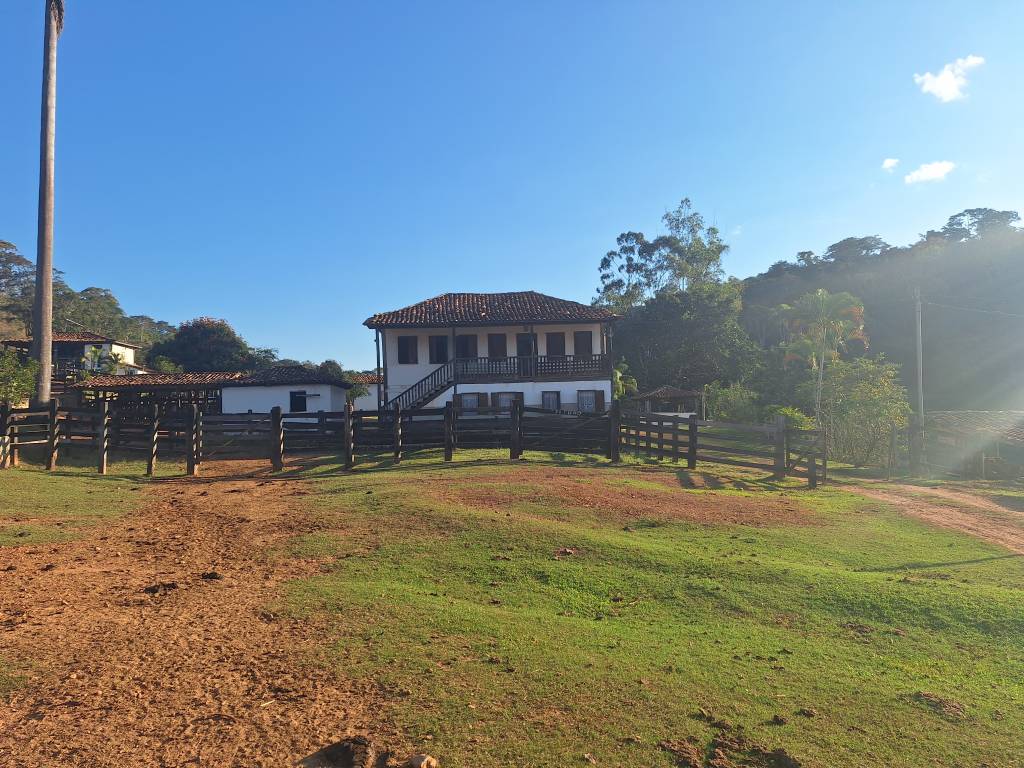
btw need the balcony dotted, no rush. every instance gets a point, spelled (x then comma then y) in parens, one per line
(469, 370)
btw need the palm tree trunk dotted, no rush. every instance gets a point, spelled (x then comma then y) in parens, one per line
(42, 311)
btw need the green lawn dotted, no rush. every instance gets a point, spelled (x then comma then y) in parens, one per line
(37, 506)
(901, 643)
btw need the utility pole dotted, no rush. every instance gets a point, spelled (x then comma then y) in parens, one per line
(920, 357)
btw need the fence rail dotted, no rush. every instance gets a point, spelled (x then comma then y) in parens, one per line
(773, 448)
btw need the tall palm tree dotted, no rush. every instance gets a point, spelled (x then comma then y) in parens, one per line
(42, 310)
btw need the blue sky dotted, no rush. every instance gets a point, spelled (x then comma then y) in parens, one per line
(295, 167)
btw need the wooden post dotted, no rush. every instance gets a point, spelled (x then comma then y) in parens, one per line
(53, 435)
(824, 454)
(350, 436)
(661, 437)
(194, 443)
(674, 421)
(691, 442)
(893, 448)
(103, 437)
(397, 432)
(276, 438)
(812, 466)
(5, 435)
(449, 436)
(636, 435)
(647, 436)
(614, 431)
(154, 436)
(515, 438)
(780, 446)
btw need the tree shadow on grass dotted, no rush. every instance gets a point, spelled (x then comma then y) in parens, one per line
(917, 565)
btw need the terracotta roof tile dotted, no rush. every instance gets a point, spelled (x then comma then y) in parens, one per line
(186, 380)
(78, 337)
(365, 378)
(287, 374)
(489, 309)
(667, 392)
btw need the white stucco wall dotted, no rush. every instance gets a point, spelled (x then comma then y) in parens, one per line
(403, 375)
(367, 402)
(532, 391)
(263, 399)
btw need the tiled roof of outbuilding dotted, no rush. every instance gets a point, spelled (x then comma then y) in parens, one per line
(287, 374)
(183, 380)
(78, 337)
(489, 309)
(667, 392)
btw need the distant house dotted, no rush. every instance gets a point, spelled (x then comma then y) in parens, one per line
(669, 399)
(371, 382)
(84, 351)
(296, 389)
(494, 349)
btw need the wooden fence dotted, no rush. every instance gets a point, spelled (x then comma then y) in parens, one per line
(773, 448)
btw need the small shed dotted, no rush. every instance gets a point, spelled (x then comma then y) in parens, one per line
(669, 399)
(295, 388)
(371, 400)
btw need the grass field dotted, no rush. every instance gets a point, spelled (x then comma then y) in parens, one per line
(37, 506)
(543, 614)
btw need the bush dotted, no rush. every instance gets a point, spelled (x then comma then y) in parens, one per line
(17, 378)
(795, 418)
(734, 402)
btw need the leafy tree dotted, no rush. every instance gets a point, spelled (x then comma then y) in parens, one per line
(823, 323)
(688, 338)
(209, 344)
(623, 382)
(978, 222)
(162, 364)
(17, 377)
(732, 402)
(639, 269)
(861, 401)
(335, 370)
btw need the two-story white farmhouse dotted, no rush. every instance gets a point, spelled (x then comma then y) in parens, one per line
(493, 349)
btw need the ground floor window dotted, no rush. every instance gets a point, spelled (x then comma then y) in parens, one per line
(505, 399)
(551, 401)
(586, 400)
(297, 401)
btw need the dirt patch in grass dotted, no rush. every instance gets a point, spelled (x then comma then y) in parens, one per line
(954, 510)
(150, 642)
(616, 498)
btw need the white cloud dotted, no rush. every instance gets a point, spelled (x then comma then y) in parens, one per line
(949, 84)
(936, 171)
(889, 163)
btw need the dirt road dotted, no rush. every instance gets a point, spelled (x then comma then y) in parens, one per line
(148, 643)
(959, 510)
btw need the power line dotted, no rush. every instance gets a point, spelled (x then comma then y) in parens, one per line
(975, 309)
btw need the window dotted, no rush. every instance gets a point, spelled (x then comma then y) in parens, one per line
(551, 401)
(438, 346)
(497, 345)
(465, 345)
(407, 350)
(526, 344)
(297, 401)
(470, 401)
(583, 343)
(586, 400)
(505, 399)
(556, 343)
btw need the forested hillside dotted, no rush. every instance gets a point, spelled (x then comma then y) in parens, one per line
(93, 309)
(971, 276)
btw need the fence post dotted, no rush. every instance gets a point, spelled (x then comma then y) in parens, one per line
(812, 466)
(691, 442)
(893, 448)
(194, 450)
(449, 436)
(397, 432)
(780, 446)
(514, 443)
(614, 431)
(276, 439)
(53, 435)
(5, 435)
(154, 436)
(350, 436)
(103, 437)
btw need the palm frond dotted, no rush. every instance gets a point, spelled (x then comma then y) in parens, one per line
(57, 9)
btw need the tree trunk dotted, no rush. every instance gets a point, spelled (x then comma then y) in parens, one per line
(42, 312)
